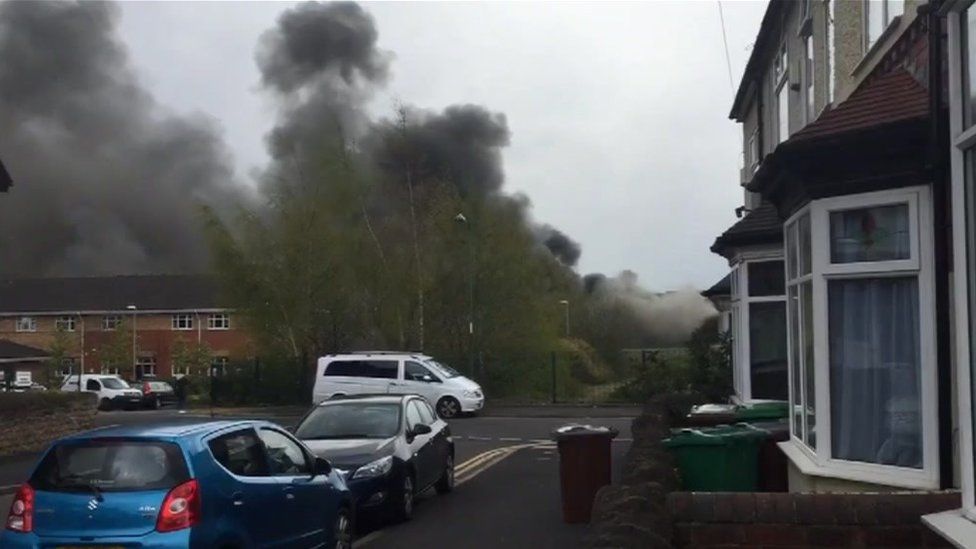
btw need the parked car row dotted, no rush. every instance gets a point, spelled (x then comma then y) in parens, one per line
(113, 392)
(230, 484)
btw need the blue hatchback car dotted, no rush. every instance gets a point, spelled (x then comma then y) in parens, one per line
(227, 484)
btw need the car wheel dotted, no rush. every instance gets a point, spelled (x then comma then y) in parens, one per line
(403, 504)
(448, 407)
(105, 404)
(342, 530)
(446, 483)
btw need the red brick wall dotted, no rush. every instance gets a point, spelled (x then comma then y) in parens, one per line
(779, 520)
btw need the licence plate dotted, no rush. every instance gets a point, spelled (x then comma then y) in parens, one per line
(89, 547)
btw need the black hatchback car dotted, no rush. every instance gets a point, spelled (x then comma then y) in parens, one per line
(389, 448)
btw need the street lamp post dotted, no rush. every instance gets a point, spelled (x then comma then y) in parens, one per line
(463, 220)
(566, 303)
(133, 308)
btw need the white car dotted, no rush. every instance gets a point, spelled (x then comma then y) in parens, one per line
(397, 373)
(112, 391)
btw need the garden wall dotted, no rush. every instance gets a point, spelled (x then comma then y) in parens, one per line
(30, 421)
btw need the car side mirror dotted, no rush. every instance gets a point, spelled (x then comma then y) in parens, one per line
(322, 466)
(420, 429)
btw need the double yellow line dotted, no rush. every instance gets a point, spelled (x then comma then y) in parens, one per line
(484, 461)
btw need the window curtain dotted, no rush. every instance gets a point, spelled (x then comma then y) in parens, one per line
(875, 371)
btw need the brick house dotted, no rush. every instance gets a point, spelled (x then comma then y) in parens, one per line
(852, 269)
(86, 313)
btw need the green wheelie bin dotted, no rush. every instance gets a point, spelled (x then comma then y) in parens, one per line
(717, 459)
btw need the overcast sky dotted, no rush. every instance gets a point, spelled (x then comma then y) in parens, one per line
(618, 111)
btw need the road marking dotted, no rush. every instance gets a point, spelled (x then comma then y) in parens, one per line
(9, 489)
(483, 439)
(477, 460)
(483, 465)
(510, 439)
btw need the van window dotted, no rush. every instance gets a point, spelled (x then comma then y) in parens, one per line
(414, 371)
(383, 369)
(111, 466)
(93, 385)
(240, 453)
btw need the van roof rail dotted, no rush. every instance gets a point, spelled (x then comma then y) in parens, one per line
(383, 353)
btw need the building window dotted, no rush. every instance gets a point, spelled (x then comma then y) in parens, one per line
(110, 323)
(146, 366)
(26, 324)
(182, 322)
(962, 123)
(218, 321)
(781, 77)
(110, 370)
(759, 330)
(753, 150)
(861, 330)
(878, 15)
(65, 324)
(808, 79)
(218, 367)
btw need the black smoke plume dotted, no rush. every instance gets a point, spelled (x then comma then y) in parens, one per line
(106, 181)
(562, 247)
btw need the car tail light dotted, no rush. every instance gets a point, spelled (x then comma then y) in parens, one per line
(21, 517)
(146, 389)
(181, 508)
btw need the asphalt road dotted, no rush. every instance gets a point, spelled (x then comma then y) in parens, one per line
(508, 483)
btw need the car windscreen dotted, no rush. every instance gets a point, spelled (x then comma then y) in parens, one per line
(443, 369)
(114, 383)
(348, 420)
(111, 465)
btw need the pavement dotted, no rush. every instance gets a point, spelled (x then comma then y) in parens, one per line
(508, 477)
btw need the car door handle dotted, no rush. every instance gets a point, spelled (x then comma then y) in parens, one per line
(289, 492)
(237, 498)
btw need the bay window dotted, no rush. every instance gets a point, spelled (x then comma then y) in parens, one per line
(759, 328)
(860, 310)
(962, 126)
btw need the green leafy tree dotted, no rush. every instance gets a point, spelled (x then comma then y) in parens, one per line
(191, 356)
(58, 350)
(116, 351)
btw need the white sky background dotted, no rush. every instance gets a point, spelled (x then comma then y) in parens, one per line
(618, 111)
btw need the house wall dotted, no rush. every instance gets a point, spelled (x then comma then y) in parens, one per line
(802, 483)
(853, 62)
(155, 337)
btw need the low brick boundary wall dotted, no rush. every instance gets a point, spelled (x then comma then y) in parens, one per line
(31, 421)
(779, 520)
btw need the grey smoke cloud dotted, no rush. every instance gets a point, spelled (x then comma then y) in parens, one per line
(107, 181)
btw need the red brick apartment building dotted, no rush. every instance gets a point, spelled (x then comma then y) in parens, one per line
(159, 310)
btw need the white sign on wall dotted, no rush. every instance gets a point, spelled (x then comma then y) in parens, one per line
(23, 378)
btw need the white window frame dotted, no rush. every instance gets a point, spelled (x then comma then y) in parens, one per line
(67, 366)
(820, 462)
(781, 83)
(218, 321)
(808, 78)
(65, 323)
(963, 140)
(741, 352)
(182, 321)
(146, 365)
(110, 323)
(25, 324)
(888, 20)
(110, 370)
